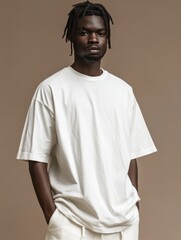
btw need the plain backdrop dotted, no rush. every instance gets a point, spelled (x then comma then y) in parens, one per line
(146, 53)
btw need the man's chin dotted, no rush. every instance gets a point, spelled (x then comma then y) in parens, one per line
(92, 58)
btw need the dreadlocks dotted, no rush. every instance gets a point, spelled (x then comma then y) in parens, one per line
(86, 9)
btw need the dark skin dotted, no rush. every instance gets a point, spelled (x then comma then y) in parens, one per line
(90, 45)
(41, 184)
(133, 175)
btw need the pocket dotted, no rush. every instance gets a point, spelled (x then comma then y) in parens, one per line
(57, 221)
(53, 217)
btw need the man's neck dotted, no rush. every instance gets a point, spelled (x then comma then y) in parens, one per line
(89, 69)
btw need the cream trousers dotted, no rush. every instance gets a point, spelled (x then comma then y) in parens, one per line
(61, 228)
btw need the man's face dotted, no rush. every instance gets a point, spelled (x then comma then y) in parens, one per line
(90, 40)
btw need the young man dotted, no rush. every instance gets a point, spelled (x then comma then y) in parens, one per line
(83, 132)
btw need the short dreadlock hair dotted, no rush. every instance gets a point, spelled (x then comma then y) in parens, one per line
(81, 10)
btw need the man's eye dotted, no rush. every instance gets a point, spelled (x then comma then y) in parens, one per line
(83, 33)
(101, 34)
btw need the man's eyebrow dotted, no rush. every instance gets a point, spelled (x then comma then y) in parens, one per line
(87, 29)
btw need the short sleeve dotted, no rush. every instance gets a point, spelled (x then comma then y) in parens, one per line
(141, 141)
(38, 135)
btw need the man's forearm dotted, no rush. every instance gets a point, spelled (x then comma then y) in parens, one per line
(133, 174)
(41, 183)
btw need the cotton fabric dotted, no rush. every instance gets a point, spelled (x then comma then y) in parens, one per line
(88, 129)
(61, 228)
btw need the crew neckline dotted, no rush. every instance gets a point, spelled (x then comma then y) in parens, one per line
(84, 77)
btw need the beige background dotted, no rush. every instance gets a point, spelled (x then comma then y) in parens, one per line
(146, 45)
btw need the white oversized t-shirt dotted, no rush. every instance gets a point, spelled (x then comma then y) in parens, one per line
(88, 129)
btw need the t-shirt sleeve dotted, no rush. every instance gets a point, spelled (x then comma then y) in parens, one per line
(38, 137)
(141, 141)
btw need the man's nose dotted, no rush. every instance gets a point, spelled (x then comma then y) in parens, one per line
(93, 37)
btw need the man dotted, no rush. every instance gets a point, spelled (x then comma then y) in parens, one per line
(85, 127)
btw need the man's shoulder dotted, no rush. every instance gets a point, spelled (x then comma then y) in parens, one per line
(55, 78)
(46, 86)
(119, 81)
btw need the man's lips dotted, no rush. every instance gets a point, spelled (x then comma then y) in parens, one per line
(93, 49)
